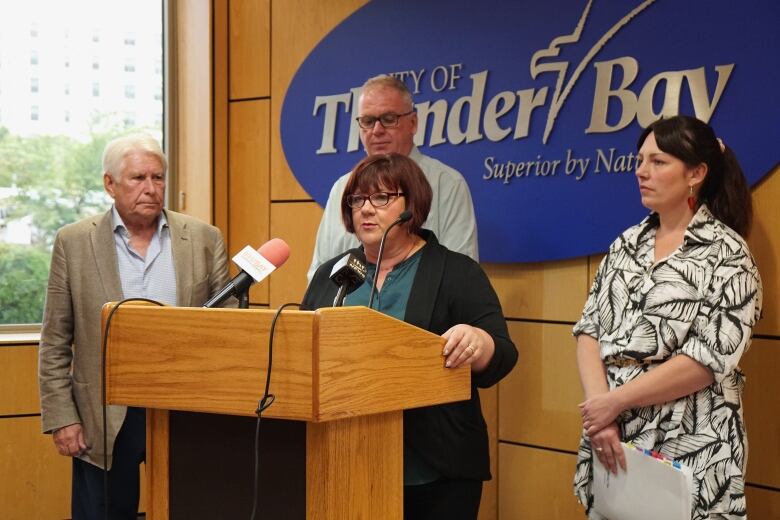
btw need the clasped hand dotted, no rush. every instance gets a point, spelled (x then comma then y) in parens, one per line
(598, 411)
(598, 421)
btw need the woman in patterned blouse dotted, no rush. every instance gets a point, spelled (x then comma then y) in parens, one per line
(668, 317)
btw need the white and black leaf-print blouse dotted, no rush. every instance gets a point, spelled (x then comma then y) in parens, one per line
(702, 301)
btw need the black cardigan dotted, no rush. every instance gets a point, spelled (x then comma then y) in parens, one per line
(449, 288)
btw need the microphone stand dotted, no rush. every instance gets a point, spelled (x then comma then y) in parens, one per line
(404, 217)
(243, 299)
(339, 300)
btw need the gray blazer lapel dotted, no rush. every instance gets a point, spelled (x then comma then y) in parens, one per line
(181, 249)
(104, 253)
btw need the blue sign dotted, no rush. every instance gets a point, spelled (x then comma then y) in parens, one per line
(539, 104)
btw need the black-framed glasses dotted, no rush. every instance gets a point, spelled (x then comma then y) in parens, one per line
(387, 120)
(378, 200)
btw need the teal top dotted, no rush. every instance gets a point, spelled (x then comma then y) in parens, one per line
(392, 300)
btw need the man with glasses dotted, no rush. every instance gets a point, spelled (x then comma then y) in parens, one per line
(388, 123)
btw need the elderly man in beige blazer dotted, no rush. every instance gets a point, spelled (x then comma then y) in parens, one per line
(136, 249)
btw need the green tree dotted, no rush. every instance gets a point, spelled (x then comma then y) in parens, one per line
(24, 271)
(56, 180)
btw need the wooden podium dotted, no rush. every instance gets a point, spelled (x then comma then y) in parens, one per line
(347, 372)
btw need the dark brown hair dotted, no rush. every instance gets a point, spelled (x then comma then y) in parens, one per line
(724, 190)
(391, 172)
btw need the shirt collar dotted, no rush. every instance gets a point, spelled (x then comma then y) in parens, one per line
(703, 217)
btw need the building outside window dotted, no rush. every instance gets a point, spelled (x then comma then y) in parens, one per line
(51, 138)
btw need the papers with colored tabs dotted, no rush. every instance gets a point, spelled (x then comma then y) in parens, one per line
(652, 487)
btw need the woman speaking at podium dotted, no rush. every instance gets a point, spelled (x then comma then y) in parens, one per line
(446, 456)
(668, 317)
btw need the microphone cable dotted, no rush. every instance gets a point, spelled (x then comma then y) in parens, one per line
(104, 348)
(264, 402)
(404, 217)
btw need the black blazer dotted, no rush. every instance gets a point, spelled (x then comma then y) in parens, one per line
(449, 288)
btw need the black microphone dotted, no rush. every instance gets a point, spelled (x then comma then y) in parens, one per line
(406, 216)
(255, 266)
(348, 273)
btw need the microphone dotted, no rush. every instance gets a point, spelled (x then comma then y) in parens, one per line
(406, 216)
(255, 267)
(348, 273)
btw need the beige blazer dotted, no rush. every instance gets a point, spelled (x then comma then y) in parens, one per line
(84, 275)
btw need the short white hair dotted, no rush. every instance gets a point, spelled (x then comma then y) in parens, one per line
(391, 82)
(118, 149)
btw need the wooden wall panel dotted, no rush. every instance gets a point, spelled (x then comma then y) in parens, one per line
(296, 223)
(19, 380)
(250, 48)
(536, 484)
(593, 266)
(488, 507)
(537, 401)
(552, 291)
(35, 479)
(765, 244)
(763, 503)
(298, 25)
(249, 206)
(762, 412)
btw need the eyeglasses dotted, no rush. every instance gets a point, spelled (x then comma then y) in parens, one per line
(379, 199)
(387, 120)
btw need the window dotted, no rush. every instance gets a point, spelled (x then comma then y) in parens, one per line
(51, 144)
(129, 67)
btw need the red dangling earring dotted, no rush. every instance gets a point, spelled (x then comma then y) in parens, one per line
(691, 199)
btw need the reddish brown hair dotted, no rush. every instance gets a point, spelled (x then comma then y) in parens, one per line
(391, 172)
